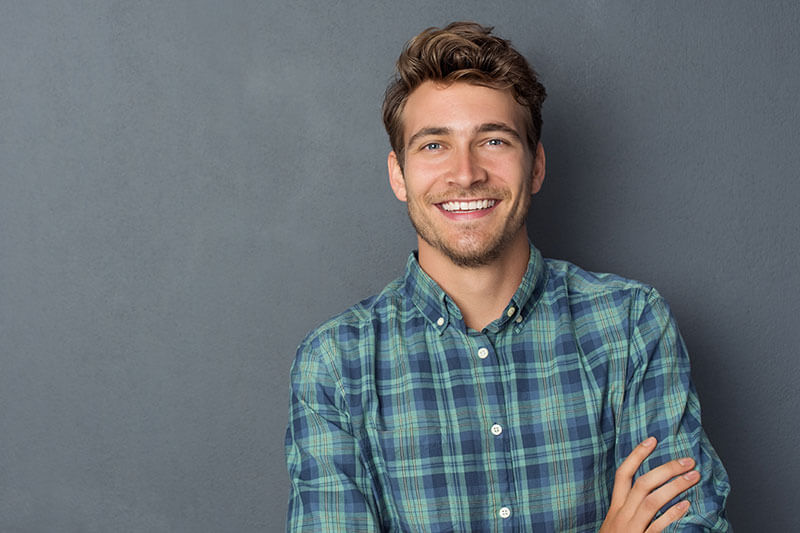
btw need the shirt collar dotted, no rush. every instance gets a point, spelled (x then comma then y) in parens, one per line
(440, 310)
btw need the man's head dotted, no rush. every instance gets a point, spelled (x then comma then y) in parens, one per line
(463, 52)
(464, 118)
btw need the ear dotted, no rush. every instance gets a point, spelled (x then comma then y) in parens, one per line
(396, 179)
(537, 177)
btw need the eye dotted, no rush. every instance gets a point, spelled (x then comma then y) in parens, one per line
(432, 146)
(495, 142)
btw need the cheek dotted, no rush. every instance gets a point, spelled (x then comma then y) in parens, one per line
(422, 167)
(421, 178)
(504, 165)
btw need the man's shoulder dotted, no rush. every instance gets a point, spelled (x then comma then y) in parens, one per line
(581, 283)
(589, 294)
(351, 324)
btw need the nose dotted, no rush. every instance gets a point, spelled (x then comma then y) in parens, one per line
(466, 169)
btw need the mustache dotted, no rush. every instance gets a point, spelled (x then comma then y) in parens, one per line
(459, 193)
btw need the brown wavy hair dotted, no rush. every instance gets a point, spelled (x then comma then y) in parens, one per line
(468, 52)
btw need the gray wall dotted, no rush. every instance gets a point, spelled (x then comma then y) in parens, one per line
(189, 187)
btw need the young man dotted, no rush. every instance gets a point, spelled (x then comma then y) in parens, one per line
(490, 389)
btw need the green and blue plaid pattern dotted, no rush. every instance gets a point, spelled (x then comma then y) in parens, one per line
(403, 419)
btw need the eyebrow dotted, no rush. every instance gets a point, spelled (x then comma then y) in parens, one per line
(499, 126)
(424, 132)
(483, 128)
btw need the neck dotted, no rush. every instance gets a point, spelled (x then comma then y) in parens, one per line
(481, 293)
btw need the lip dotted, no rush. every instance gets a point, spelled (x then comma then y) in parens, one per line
(467, 215)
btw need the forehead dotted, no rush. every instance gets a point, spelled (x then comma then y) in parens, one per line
(459, 107)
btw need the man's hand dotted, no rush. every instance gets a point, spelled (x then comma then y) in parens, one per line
(633, 505)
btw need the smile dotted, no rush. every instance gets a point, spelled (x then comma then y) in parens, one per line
(467, 206)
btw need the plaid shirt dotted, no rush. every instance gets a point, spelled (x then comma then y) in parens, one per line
(403, 419)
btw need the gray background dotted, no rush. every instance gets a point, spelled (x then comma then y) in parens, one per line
(189, 187)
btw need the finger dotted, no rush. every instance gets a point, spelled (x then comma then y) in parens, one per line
(670, 515)
(659, 498)
(647, 483)
(623, 479)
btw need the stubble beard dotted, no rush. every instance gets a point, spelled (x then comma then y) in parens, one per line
(469, 256)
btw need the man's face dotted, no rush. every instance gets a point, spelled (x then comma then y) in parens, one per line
(468, 173)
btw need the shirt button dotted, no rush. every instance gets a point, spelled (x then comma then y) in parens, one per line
(505, 512)
(518, 319)
(483, 353)
(497, 429)
(511, 311)
(440, 322)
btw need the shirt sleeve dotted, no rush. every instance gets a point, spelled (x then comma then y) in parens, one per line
(660, 400)
(330, 486)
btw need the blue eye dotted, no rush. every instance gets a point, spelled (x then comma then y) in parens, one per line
(432, 146)
(495, 142)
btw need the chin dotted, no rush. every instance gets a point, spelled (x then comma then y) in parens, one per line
(471, 257)
(472, 261)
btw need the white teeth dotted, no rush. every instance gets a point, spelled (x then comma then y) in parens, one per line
(472, 205)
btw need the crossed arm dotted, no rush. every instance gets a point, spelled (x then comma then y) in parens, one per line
(333, 490)
(633, 507)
